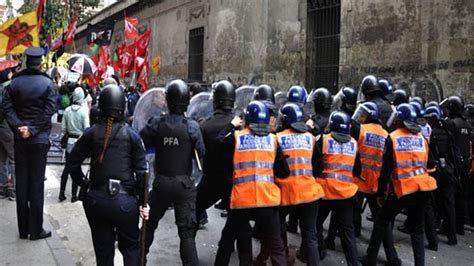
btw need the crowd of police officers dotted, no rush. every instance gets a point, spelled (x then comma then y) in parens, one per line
(372, 144)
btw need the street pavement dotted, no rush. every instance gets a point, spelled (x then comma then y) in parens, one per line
(71, 243)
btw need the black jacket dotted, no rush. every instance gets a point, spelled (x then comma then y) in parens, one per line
(30, 101)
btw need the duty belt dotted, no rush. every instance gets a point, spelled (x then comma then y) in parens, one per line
(105, 188)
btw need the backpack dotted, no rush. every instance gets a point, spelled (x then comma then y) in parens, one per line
(65, 101)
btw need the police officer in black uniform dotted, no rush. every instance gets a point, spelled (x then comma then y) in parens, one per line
(441, 144)
(460, 129)
(177, 139)
(372, 91)
(117, 171)
(322, 100)
(28, 104)
(217, 167)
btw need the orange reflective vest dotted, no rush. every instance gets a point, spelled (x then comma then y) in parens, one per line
(371, 144)
(338, 162)
(410, 157)
(253, 181)
(301, 186)
(426, 132)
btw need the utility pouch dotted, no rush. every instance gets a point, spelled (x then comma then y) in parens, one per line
(113, 187)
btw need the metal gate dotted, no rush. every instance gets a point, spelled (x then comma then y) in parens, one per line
(196, 52)
(322, 44)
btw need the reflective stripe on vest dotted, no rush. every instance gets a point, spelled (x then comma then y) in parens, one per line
(252, 178)
(300, 187)
(369, 156)
(337, 176)
(370, 167)
(410, 174)
(339, 166)
(253, 184)
(411, 163)
(243, 165)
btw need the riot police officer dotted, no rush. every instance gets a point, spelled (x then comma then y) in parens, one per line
(371, 137)
(441, 146)
(299, 192)
(405, 166)
(348, 100)
(117, 171)
(334, 173)
(372, 91)
(257, 160)
(460, 129)
(217, 175)
(176, 139)
(322, 100)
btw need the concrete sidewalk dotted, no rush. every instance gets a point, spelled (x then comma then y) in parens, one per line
(16, 251)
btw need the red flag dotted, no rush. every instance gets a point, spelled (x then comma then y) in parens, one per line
(39, 11)
(71, 31)
(143, 76)
(126, 60)
(131, 31)
(141, 44)
(104, 57)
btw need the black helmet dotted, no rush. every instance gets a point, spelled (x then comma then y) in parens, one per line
(322, 99)
(112, 102)
(177, 96)
(400, 96)
(349, 99)
(454, 104)
(266, 94)
(223, 95)
(370, 85)
(432, 103)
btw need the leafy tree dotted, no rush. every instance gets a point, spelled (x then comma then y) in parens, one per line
(56, 9)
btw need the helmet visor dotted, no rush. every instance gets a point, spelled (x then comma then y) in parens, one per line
(361, 114)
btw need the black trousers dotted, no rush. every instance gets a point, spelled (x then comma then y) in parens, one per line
(110, 218)
(414, 204)
(30, 167)
(64, 178)
(342, 212)
(180, 191)
(238, 220)
(208, 193)
(307, 214)
(446, 202)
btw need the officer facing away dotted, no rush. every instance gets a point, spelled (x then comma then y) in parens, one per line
(441, 146)
(322, 100)
(334, 173)
(405, 167)
(117, 171)
(371, 138)
(28, 104)
(299, 192)
(257, 159)
(175, 138)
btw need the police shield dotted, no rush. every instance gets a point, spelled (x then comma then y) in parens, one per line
(309, 106)
(280, 99)
(243, 96)
(151, 104)
(201, 106)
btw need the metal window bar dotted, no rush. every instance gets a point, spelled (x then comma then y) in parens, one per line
(323, 43)
(196, 54)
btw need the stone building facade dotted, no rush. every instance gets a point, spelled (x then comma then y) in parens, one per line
(424, 46)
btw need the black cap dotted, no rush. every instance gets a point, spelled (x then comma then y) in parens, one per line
(34, 55)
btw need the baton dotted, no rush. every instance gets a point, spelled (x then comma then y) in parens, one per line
(144, 222)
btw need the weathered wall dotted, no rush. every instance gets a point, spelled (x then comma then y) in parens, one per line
(425, 46)
(261, 39)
